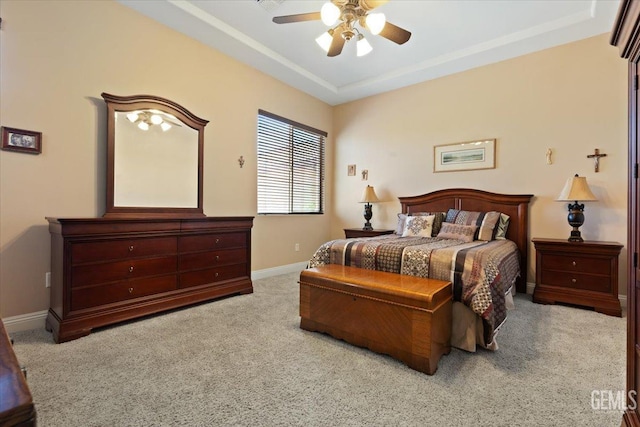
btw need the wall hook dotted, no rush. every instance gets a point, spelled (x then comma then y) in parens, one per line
(241, 161)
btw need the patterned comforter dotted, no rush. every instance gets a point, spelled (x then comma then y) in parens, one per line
(482, 273)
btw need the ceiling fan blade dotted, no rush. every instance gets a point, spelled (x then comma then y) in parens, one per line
(336, 44)
(371, 4)
(287, 19)
(395, 33)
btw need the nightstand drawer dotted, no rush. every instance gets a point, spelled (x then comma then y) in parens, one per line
(579, 264)
(587, 282)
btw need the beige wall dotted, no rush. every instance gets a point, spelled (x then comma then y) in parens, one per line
(56, 58)
(571, 99)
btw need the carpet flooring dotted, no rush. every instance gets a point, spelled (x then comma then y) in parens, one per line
(244, 361)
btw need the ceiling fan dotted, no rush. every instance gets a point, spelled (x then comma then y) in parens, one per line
(343, 16)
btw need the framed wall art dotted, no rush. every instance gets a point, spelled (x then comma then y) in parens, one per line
(464, 156)
(25, 141)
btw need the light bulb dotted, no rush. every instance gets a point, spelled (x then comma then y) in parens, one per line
(165, 126)
(363, 47)
(143, 126)
(329, 13)
(132, 117)
(156, 119)
(375, 22)
(324, 41)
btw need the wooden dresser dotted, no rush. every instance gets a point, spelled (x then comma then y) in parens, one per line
(106, 270)
(584, 273)
(16, 403)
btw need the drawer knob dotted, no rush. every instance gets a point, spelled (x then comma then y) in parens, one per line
(131, 269)
(216, 274)
(217, 257)
(131, 248)
(130, 290)
(573, 263)
(573, 280)
(217, 241)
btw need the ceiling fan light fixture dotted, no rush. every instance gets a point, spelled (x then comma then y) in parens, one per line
(165, 126)
(143, 126)
(362, 47)
(376, 22)
(329, 13)
(133, 116)
(156, 119)
(324, 41)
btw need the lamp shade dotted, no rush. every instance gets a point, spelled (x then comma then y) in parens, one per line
(369, 195)
(576, 189)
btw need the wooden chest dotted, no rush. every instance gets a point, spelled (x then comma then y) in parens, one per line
(106, 270)
(408, 318)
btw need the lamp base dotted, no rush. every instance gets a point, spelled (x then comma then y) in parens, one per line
(368, 214)
(576, 219)
(575, 236)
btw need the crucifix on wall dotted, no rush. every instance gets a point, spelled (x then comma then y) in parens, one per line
(596, 158)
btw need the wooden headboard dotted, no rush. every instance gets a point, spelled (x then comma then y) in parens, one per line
(514, 205)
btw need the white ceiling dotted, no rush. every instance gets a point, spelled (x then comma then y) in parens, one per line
(448, 36)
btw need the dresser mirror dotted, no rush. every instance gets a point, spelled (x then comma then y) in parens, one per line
(154, 158)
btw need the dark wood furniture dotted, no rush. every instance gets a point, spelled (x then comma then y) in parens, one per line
(359, 232)
(626, 36)
(16, 403)
(514, 205)
(133, 174)
(106, 270)
(584, 273)
(406, 317)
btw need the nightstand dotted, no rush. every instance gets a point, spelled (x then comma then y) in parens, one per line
(580, 273)
(359, 232)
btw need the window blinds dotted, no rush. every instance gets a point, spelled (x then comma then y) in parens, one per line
(290, 166)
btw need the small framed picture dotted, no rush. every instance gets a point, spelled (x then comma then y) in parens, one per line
(351, 170)
(25, 141)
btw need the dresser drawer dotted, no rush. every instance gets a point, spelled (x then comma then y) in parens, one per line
(122, 249)
(92, 274)
(210, 259)
(211, 275)
(207, 242)
(589, 282)
(95, 296)
(579, 264)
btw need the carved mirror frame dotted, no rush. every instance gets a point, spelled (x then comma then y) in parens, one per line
(124, 104)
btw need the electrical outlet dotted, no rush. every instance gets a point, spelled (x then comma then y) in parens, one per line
(297, 247)
(47, 279)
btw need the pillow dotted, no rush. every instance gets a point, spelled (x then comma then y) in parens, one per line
(503, 225)
(418, 226)
(402, 218)
(486, 222)
(457, 231)
(437, 222)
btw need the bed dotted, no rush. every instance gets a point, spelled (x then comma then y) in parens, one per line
(483, 272)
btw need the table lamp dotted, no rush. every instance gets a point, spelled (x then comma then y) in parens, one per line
(577, 190)
(368, 197)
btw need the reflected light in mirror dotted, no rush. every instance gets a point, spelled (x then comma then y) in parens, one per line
(154, 168)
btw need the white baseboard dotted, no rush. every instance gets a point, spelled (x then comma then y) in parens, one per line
(25, 322)
(276, 271)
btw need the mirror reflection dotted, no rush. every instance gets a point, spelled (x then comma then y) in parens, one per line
(155, 161)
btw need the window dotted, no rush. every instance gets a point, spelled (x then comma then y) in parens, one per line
(290, 166)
